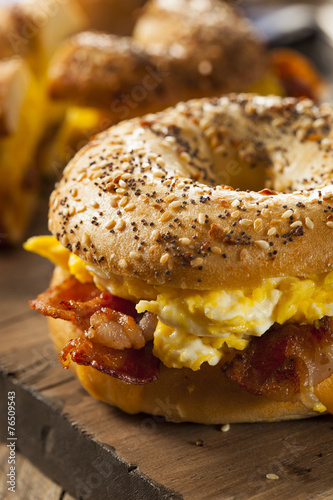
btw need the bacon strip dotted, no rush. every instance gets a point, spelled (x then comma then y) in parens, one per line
(114, 335)
(285, 360)
(77, 302)
(134, 366)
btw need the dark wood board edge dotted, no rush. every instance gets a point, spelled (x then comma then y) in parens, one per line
(99, 475)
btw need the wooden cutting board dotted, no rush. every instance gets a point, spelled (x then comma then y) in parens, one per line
(96, 452)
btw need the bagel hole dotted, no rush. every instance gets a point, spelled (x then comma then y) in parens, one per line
(236, 172)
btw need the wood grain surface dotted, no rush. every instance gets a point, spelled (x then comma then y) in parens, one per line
(94, 451)
(32, 484)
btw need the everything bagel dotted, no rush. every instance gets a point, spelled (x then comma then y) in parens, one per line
(178, 51)
(216, 50)
(224, 280)
(166, 166)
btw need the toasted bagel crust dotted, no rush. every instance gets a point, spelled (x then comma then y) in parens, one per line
(180, 50)
(143, 198)
(205, 396)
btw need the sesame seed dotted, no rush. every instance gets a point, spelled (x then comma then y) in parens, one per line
(126, 176)
(164, 259)
(185, 156)
(272, 476)
(130, 207)
(326, 142)
(245, 222)
(320, 122)
(258, 225)
(297, 223)
(152, 156)
(216, 250)
(86, 239)
(287, 214)
(110, 224)
(155, 234)
(235, 214)
(123, 201)
(201, 218)
(94, 203)
(135, 255)
(113, 203)
(81, 208)
(264, 245)
(185, 241)
(121, 225)
(158, 173)
(175, 204)
(166, 216)
(55, 203)
(81, 176)
(309, 223)
(170, 197)
(122, 263)
(329, 224)
(271, 231)
(301, 134)
(225, 428)
(197, 262)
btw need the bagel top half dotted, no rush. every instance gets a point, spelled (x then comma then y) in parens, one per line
(144, 199)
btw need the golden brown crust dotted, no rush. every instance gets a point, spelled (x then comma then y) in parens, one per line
(96, 69)
(205, 396)
(142, 199)
(211, 31)
(214, 52)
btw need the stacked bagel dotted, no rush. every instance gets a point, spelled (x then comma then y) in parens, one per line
(177, 51)
(30, 33)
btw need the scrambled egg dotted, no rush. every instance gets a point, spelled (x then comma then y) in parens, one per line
(195, 327)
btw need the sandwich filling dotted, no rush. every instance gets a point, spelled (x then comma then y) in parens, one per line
(274, 340)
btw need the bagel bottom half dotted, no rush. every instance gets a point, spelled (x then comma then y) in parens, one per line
(180, 395)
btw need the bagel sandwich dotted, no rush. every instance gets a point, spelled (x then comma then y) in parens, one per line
(177, 51)
(30, 32)
(19, 93)
(177, 295)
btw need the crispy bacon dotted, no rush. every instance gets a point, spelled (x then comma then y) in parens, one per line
(115, 329)
(77, 302)
(297, 74)
(285, 360)
(134, 366)
(113, 335)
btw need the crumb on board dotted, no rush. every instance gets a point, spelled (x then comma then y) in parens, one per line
(199, 442)
(272, 476)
